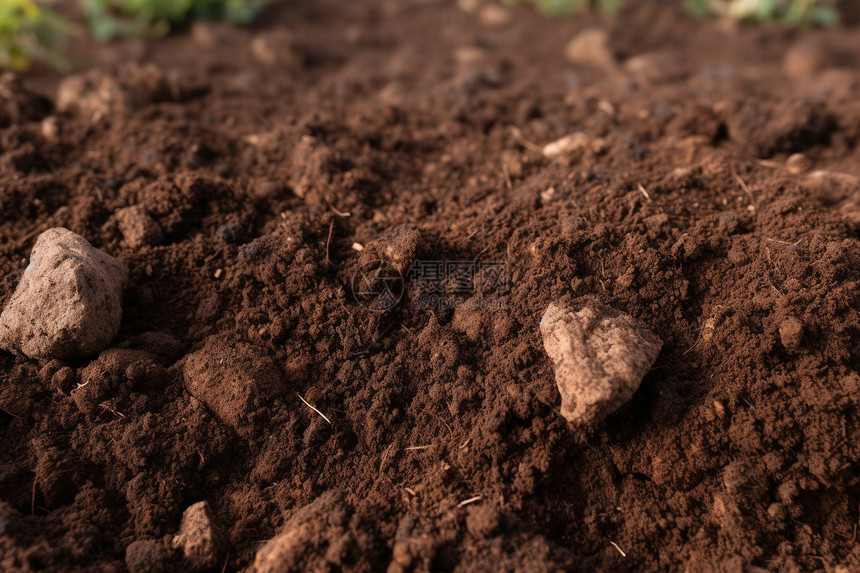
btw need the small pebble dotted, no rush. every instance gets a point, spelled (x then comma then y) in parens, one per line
(494, 16)
(198, 539)
(655, 67)
(798, 163)
(591, 47)
(566, 144)
(708, 329)
(138, 228)
(309, 529)
(806, 58)
(791, 334)
(50, 128)
(401, 245)
(277, 48)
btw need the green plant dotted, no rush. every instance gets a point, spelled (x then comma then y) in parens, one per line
(560, 7)
(132, 18)
(789, 12)
(29, 33)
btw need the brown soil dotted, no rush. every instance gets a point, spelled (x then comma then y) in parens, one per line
(741, 449)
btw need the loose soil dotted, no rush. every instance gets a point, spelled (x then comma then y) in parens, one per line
(680, 206)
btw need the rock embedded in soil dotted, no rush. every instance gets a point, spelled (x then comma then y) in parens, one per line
(567, 144)
(807, 57)
(50, 128)
(591, 48)
(277, 47)
(400, 246)
(235, 381)
(798, 163)
(494, 16)
(281, 553)
(68, 304)
(791, 334)
(655, 67)
(599, 356)
(320, 523)
(199, 540)
(138, 228)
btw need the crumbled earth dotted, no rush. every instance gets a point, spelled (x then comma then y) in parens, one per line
(712, 195)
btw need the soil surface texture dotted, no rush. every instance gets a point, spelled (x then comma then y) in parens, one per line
(297, 204)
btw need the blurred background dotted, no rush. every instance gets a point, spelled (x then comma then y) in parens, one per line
(39, 32)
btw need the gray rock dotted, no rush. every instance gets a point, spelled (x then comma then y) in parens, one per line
(68, 304)
(599, 356)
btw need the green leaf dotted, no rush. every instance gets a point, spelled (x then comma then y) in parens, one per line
(130, 18)
(29, 33)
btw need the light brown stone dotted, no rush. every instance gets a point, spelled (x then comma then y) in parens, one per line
(68, 304)
(791, 333)
(277, 48)
(591, 48)
(599, 356)
(198, 539)
(138, 228)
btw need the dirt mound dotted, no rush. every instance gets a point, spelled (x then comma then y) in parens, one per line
(710, 195)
